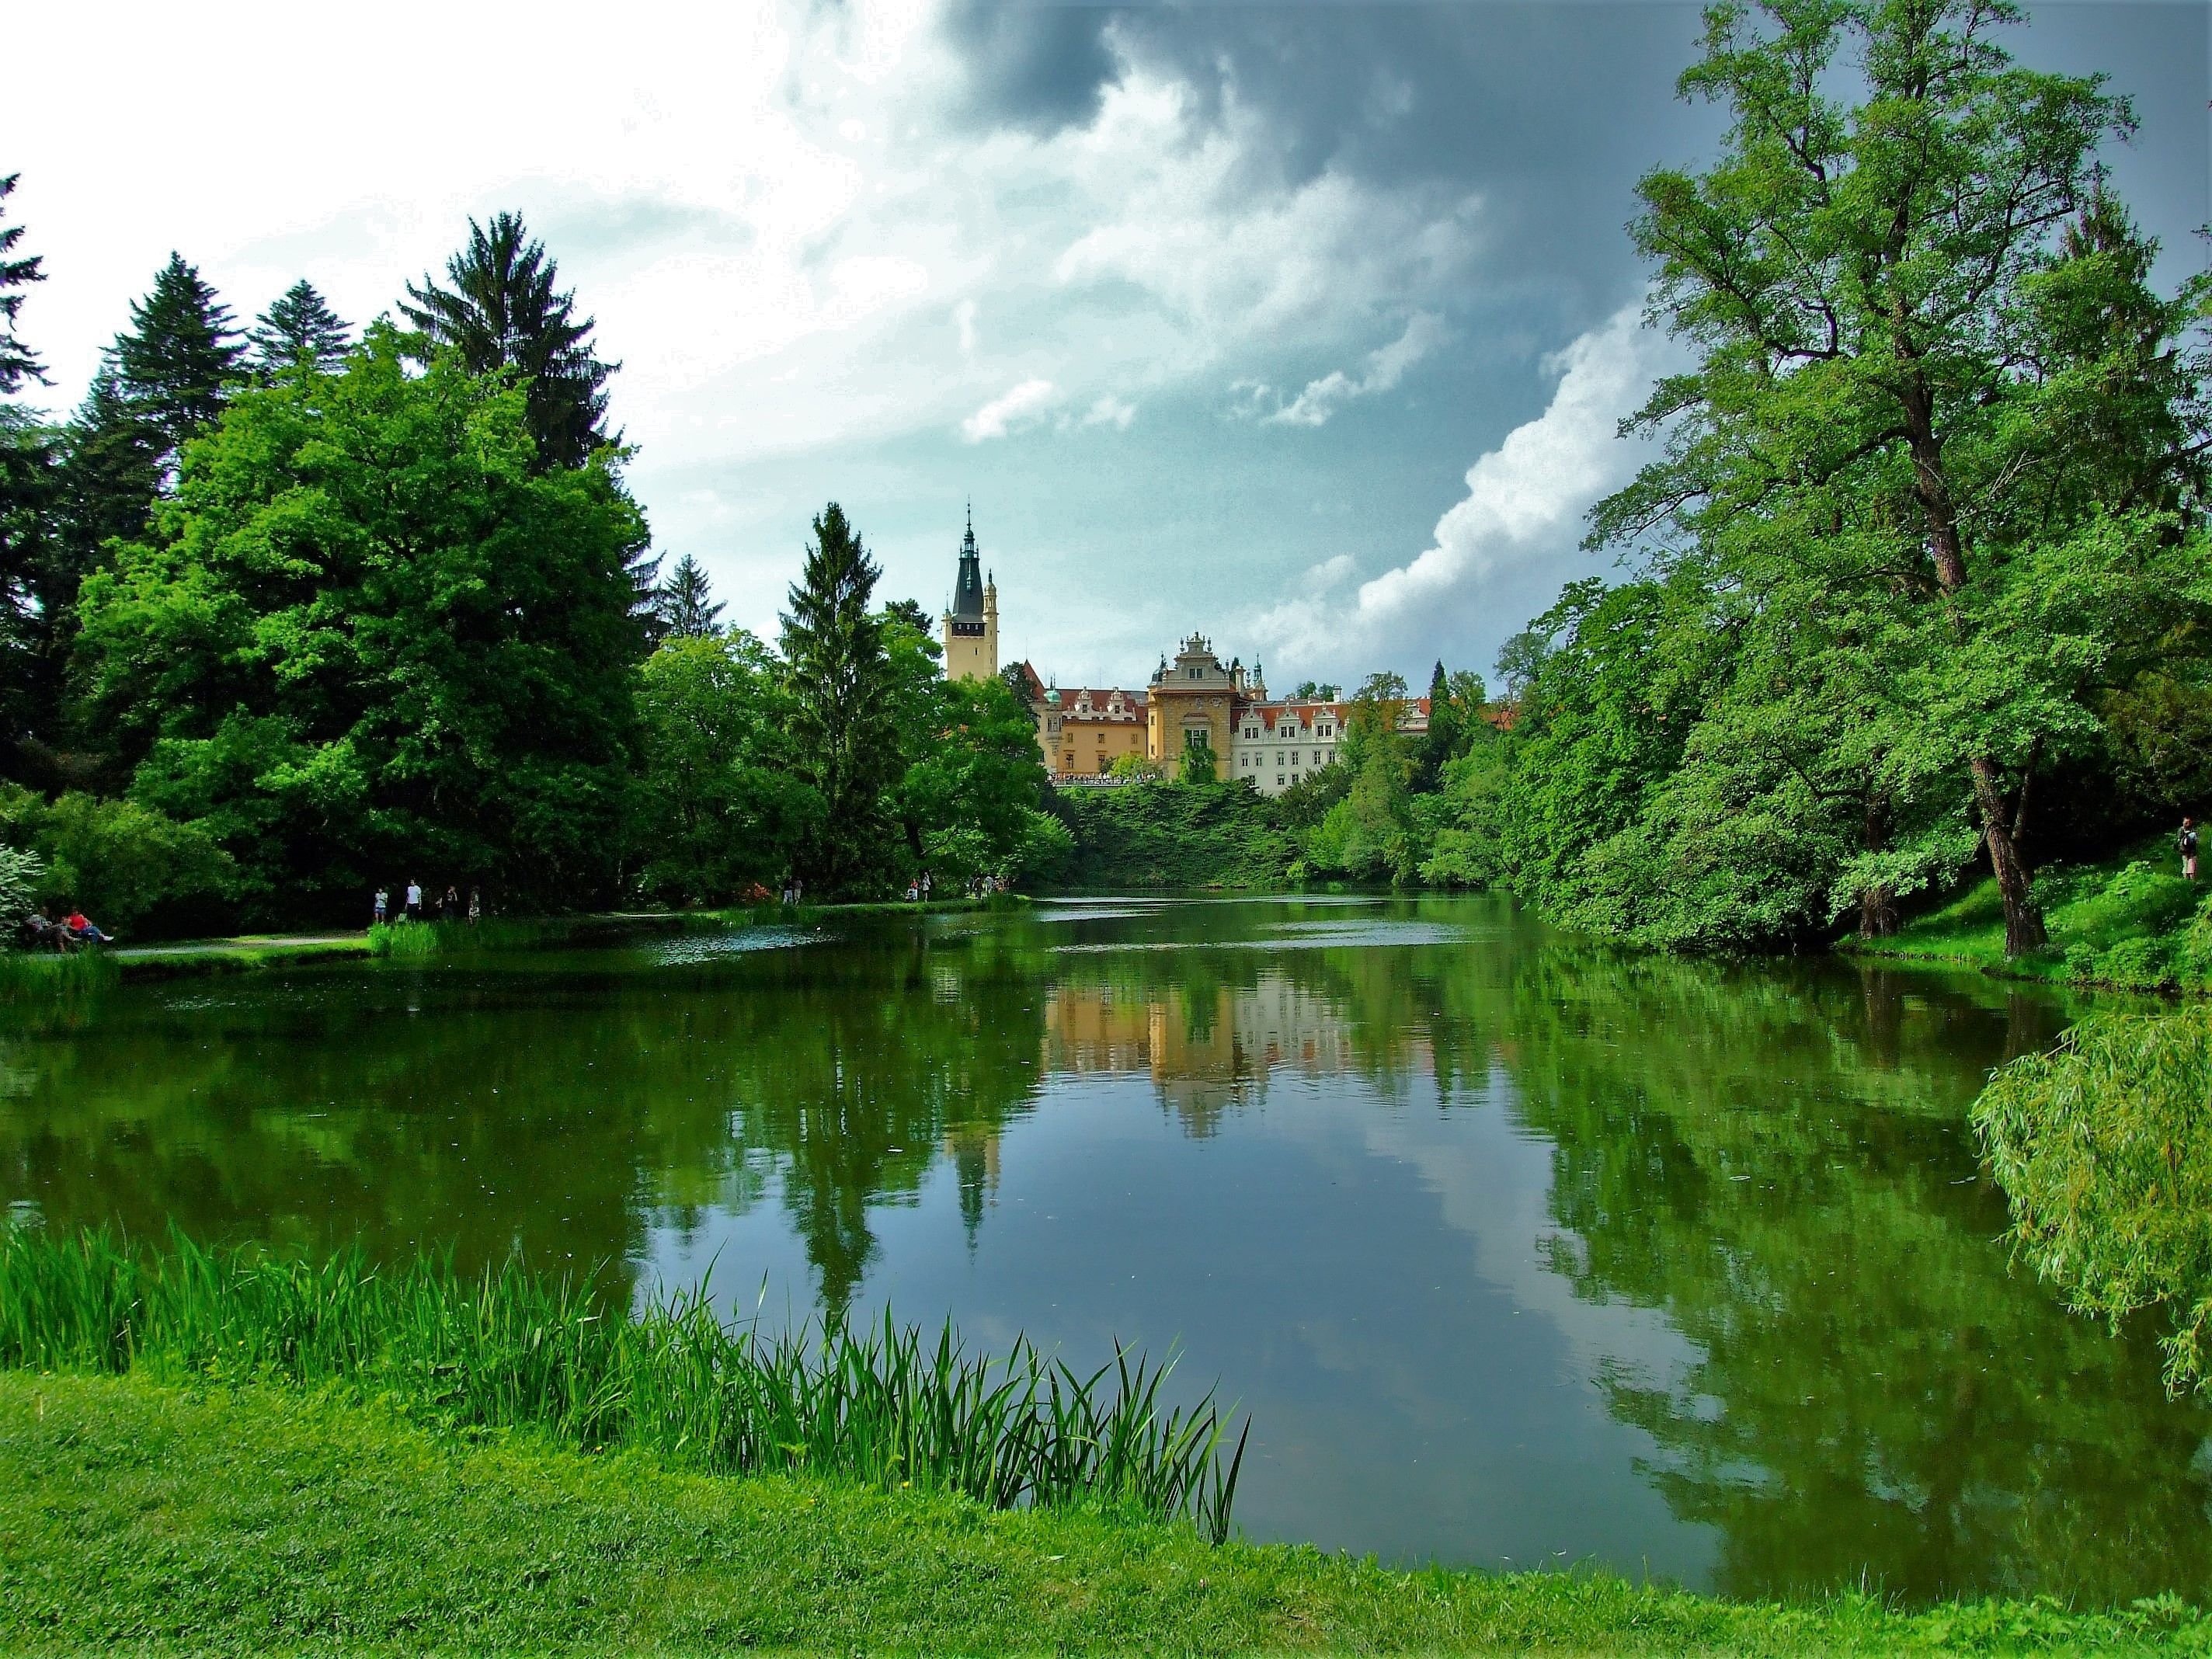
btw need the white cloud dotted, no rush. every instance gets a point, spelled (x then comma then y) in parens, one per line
(1424, 331)
(1525, 500)
(1112, 411)
(1002, 413)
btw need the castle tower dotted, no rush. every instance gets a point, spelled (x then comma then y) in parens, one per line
(971, 629)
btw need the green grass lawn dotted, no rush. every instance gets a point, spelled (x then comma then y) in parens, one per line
(2131, 922)
(150, 1517)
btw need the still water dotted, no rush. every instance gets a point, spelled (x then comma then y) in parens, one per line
(1517, 1249)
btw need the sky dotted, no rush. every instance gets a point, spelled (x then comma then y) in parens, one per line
(1305, 326)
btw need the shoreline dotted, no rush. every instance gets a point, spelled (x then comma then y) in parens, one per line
(166, 1516)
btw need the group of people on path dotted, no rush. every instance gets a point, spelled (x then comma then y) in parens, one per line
(449, 907)
(40, 932)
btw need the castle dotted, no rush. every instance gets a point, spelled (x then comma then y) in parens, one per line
(1192, 704)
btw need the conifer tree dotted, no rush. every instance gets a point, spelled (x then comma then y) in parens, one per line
(503, 311)
(17, 363)
(686, 603)
(840, 676)
(180, 351)
(300, 328)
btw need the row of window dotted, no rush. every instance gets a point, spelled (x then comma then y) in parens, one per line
(1252, 733)
(1249, 761)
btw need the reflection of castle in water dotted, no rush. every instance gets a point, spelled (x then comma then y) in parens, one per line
(1209, 1049)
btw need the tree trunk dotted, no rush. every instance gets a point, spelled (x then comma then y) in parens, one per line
(1877, 913)
(2023, 921)
(2001, 831)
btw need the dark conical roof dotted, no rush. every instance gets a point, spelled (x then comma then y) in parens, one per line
(968, 592)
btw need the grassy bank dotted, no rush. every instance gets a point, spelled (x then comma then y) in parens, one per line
(220, 1518)
(884, 1405)
(2130, 922)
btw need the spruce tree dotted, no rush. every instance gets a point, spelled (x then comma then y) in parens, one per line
(503, 311)
(686, 605)
(300, 328)
(840, 678)
(17, 363)
(180, 351)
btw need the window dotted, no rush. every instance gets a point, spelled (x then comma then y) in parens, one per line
(1294, 757)
(1278, 780)
(1278, 761)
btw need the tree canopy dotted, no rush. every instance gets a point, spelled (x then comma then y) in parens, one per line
(300, 327)
(503, 311)
(373, 633)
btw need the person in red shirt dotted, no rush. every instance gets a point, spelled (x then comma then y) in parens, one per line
(80, 926)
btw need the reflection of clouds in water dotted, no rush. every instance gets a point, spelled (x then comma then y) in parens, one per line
(1065, 913)
(1338, 935)
(1492, 1178)
(695, 948)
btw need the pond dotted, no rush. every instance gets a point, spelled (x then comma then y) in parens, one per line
(1518, 1250)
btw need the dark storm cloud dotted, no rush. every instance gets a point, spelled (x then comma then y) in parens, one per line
(1037, 67)
(1548, 111)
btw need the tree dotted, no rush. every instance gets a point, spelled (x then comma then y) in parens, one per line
(503, 311)
(1368, 831)
(1913, 383)
(727, 806)
(842, 715)
(18, 363)
(684, 603)
(300, 327)
(1518, 660)
(176, 361)
(373, 639)
(910, 613)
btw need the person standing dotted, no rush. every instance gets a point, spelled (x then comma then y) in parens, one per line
(449, 907)
(414, 900)
(476, 905)
(383, 903)
(2187, 841)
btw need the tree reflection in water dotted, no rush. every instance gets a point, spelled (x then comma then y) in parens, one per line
(1772, 1157)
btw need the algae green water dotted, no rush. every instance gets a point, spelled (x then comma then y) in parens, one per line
(1516, 1248)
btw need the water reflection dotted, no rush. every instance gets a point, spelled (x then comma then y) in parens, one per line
(1516, 1248)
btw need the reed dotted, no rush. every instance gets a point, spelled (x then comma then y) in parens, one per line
(881, 1402)
(42, 975)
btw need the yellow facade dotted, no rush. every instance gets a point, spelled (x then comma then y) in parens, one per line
(971, 645)
(1191, 702)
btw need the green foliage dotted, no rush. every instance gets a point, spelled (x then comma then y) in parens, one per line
(1135, 769)
(375, 633)
(1371, 832)
(1163, 835)
(1935, 465)
(2104, 1148)
(2131, 921)
(176, 361)
(972, 767)
(299, 330)
(503, 313)
(18, 363)
(846, 707)
(22, 880)
(1197, 766)
(726, 806)
(685, 602)
(118, 860)
(885, 1406)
